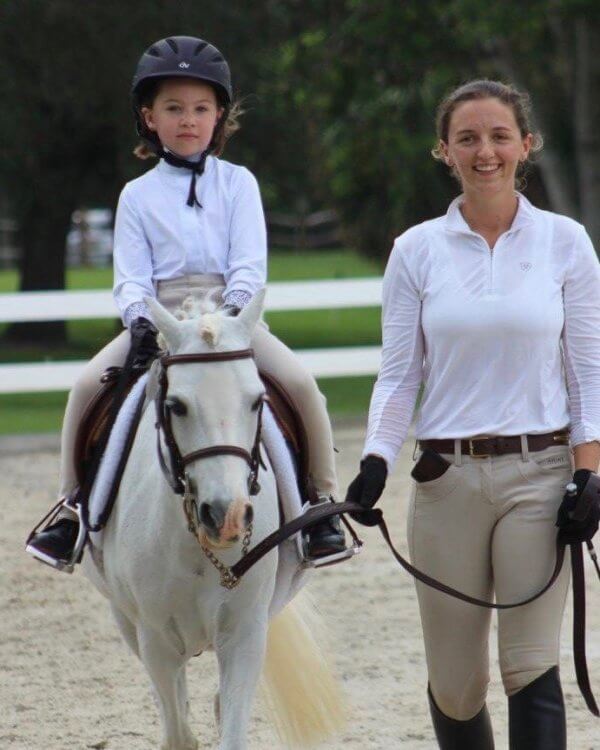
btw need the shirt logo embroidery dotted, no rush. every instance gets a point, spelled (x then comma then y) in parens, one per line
(184, 65)
(525, 266)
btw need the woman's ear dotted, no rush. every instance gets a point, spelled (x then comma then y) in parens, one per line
(443, 149)
(148, 119)
(527, 143)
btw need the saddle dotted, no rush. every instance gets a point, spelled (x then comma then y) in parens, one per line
(95, 422)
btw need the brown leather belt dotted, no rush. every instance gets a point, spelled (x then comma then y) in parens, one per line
(485, 446)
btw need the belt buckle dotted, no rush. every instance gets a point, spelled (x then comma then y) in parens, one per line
(471, 447)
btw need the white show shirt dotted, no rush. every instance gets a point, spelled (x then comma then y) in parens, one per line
(158, 236)
(505, 342)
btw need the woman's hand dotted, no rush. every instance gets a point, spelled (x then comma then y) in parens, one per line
(579, 513)
(366, 488)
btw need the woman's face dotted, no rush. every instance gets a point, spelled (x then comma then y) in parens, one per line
(183, 115)
(485, 146)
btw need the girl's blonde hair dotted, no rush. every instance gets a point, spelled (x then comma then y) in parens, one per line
(227, 125)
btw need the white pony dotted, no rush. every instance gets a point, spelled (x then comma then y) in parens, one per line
(166, 595)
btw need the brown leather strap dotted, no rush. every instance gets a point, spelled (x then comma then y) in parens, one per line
(179, 359)
(374, 517)
(217, 450)
(498, 445)
(581, 670)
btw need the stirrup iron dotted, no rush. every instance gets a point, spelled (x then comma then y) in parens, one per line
(65, 566)
(325, 560)
(336, 557)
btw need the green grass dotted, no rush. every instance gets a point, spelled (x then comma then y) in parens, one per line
(42, 412)
(23, 413)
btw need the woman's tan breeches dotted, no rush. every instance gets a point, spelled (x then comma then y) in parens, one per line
(486, 527)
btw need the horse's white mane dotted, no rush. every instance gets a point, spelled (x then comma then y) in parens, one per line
(205, 318)
(206, 312)
(192, 307)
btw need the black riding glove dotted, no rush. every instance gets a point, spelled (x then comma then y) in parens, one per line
(579, 513)
(366, 488)
(144, 347)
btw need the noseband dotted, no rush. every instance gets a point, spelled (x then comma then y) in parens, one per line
(174, 467)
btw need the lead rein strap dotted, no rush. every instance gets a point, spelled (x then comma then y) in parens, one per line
(579, 655)
(374, 517)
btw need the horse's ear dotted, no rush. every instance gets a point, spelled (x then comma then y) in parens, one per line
(166, 323)
(250, 315)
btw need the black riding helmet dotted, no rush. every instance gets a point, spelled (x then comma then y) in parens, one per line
(184, 56)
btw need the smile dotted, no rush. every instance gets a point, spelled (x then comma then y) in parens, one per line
(487, 168)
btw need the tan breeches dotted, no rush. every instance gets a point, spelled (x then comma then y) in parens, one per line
(487, 527)
(272, 357)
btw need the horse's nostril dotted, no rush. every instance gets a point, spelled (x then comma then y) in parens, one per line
(211, 517)
(248, 515)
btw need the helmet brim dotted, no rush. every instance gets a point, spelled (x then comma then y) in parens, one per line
(183, 74)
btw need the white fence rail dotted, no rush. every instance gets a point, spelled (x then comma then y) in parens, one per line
(300, 295)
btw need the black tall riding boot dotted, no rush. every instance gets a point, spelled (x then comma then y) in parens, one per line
(536, 715)
(452, 734)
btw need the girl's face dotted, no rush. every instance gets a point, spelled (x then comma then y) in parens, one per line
(183, 115)
(485, 146)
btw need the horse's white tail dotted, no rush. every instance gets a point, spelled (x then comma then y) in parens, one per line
(299, 689)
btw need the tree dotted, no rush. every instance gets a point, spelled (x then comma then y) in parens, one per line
(383, 66)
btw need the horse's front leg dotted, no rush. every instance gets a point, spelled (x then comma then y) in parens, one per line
(240, 648)
(166, 668)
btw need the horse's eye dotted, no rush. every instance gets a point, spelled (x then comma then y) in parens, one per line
(176, 406)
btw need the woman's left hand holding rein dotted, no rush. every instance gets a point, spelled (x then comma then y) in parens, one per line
(571, 530)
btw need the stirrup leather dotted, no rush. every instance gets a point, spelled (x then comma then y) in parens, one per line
(65, 566)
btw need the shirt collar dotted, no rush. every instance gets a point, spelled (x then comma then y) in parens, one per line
(183, 174)
(455, 221)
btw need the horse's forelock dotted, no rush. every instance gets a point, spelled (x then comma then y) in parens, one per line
(210, 328)
(193, 308)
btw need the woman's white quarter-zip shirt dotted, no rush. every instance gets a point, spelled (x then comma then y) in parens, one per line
(504, 341)
(158, 236)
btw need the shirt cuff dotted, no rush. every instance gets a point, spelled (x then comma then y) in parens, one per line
(237, 298)
(136, 310)
(389, 455)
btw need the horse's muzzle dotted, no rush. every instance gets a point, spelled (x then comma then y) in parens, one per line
(225, 523)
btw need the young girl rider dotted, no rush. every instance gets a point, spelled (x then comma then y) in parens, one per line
(193, 224)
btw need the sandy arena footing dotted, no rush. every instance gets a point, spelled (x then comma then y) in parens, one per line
(69, 682)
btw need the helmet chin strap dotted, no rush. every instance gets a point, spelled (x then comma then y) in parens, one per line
(195, 167)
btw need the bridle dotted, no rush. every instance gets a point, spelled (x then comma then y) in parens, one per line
(174, 465)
